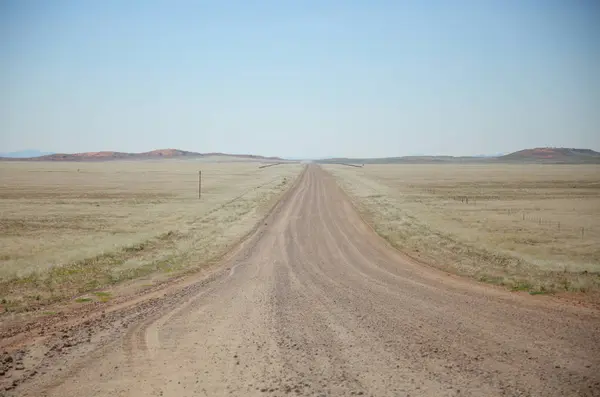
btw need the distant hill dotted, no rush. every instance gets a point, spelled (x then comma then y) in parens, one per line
(553, 155)
(154, 154)
(406, 160)
(537, 155)
(25, 154)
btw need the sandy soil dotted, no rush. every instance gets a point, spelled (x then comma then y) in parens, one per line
(313, 303)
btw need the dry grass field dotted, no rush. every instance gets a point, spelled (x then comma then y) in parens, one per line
(66, 228)
(529, 227)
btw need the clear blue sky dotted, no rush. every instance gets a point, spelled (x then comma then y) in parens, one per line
(300, 78)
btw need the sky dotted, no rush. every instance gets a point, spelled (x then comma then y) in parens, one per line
(303, 79)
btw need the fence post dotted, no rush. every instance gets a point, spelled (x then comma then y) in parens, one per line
(582, 231)
(199, 184)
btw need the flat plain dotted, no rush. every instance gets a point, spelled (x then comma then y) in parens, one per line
(529, 227)
(312, 303)
(68, 228)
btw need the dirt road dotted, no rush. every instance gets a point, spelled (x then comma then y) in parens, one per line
(314, 303)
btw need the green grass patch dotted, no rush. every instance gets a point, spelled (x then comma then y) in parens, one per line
(103, 296)
(83, 300)
(521, 286)
(537, 292)
(491, 279)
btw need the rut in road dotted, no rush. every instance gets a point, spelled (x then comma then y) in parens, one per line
(317, 304)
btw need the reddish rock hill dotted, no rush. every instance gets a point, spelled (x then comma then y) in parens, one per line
(170, 153)
(554, 155)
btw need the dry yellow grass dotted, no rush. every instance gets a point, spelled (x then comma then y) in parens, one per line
(522, 226)
(70, 227)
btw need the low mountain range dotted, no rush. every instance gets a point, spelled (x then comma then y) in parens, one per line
(538, 155)
(154, 154)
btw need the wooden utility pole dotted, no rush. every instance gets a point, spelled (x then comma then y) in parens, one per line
(199, 184)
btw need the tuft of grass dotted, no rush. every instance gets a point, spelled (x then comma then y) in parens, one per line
(103, 296)
(565, 284)
(9, 305)
(491, 279)
(542, 290)
(83, 300)
(135, 248)
(522, 286)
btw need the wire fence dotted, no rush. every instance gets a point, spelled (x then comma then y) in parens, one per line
(520, 214)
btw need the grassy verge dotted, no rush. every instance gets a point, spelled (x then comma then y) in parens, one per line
(198, 244)
(418, 230)
(449, 253)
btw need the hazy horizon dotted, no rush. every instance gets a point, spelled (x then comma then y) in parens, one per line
(300, 80)
(30, 153)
